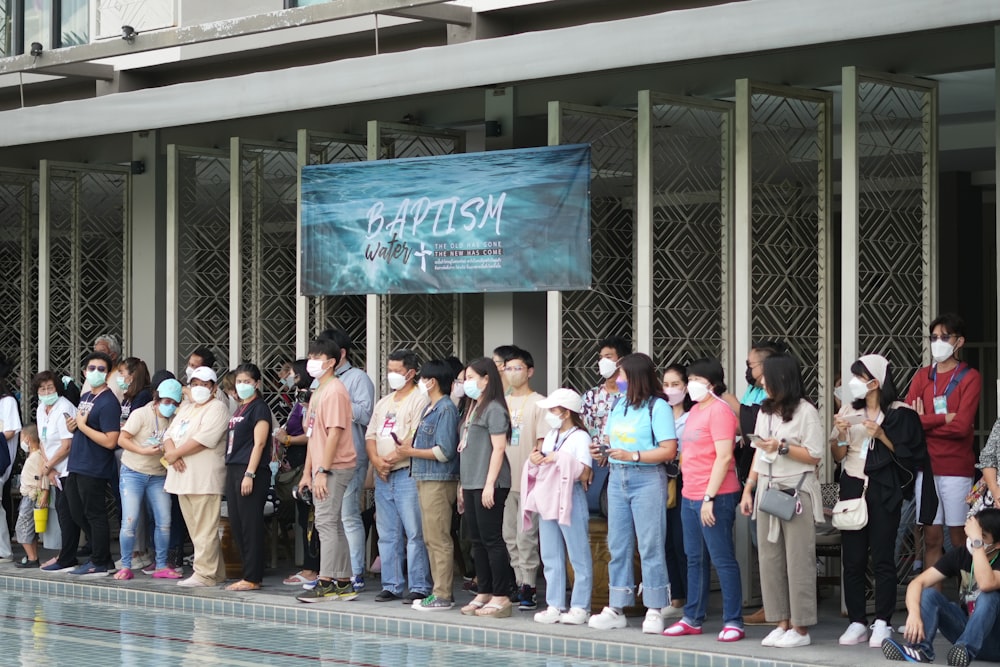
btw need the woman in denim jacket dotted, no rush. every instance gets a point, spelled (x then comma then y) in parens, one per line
(434, 465)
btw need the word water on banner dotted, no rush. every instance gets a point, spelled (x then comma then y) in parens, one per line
(499, 221)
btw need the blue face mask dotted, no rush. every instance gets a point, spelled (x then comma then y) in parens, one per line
(167, 409)
(244, 390)
(472, 389)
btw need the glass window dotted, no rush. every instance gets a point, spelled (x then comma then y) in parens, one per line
(75, 22)
(304, 3)
(37, 24)
(6, 28)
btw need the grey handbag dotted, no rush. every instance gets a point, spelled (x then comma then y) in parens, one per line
(782, 503)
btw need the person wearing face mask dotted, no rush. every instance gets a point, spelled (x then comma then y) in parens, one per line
(142, 477)
(108, 344)
(527, 427)
(200, 356)
(708, 503)
(51, 420)
(675, 380)
(248, 477)
(397, 507)
(433, 457)
(946, 396)
(640, 436)
(10, 426)
(560, 469)
(92, 466)
(973, 624)
(873, 434)
(194, 449)
(34, 490)
(597, 402)
(132, 378)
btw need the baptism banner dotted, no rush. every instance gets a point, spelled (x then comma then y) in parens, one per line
(499, 221)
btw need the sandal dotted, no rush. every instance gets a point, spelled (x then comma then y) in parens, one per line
(124, 574)
(495, 610)
(243, 585)
(681, 628)
(472, 608)
(731, 634)
(166, 573)
(297, 579)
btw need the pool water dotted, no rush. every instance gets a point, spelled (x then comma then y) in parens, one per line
(50, 630)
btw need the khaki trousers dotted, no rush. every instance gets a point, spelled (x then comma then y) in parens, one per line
(437, 505)
(788, 567)
(522, 545)
(201, 514)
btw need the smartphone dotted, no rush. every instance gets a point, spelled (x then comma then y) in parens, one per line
(854, 420)
(67, 415)
(603, 449)
(395, 438)
(754, 439)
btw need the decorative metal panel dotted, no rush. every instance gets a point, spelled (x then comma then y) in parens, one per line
(142, 15)
(894, 217)
(690, 147)
(428, 324)
(202, 211)
(19, 280)
(268, 196)
(790, 164)
(348, 312)
(89, 261)
(607, 308)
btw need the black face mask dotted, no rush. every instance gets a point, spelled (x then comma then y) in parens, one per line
(750, 379)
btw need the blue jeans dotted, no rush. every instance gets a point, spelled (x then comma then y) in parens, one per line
(979, 633)
(555, 541)
(637, 506)
(705, 546)
(134, 486)
(350, 514)
(397, 517)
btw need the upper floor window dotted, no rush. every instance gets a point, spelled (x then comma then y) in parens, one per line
(51, 23)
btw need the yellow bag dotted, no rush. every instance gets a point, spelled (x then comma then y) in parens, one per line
(671, 493)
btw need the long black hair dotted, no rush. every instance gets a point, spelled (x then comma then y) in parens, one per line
(494, 389)
(643, 385)
(783, 382)
(681, 370)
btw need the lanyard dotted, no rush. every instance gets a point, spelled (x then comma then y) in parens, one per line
(561, 441)
(952, 383)
(972, 572)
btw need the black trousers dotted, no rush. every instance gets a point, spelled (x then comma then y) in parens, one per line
(246, 518)
(677, 561)
(88, 509)
(878, 538)
(70, 531)
(310, 546)
(494, 574)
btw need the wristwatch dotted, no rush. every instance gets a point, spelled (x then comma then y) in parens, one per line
(976, 544)
(322, 470)
(251, 475)
(708, 499)
(782, 449)
(635, 457)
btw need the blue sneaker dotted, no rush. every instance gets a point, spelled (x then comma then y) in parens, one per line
(56, 567)
(894, 650)
(358, 583)
(88, 569)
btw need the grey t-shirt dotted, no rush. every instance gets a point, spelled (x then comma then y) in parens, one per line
(474, 461)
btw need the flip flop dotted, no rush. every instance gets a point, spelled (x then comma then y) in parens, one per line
(167, 573)
(297, 579)
(124, 574)
(243, 585)
(731, 634)
(495, 610)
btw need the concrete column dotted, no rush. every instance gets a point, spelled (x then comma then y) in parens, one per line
(149, 223)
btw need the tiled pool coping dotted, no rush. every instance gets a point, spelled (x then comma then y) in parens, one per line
(340, 616)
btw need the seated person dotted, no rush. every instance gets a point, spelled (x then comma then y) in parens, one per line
(976, 635)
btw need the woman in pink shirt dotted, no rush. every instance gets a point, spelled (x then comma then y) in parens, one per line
(709, 500)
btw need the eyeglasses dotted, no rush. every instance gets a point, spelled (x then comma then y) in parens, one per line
(943, 337)
(99, 369)
(754, 364)
(514, 369)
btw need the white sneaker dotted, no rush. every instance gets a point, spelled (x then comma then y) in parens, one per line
(880, 631)
(574, 616)
(549, 616)
(192, 582)
(773, 637)
(608, 619)
(671, 611)
(856, 633)
(653, 624)
(792, 639)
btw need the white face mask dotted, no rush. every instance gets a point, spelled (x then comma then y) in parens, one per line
(188, 372)
(553, 420)
(698, 391)
(857, 388)
(200, 395)
(458, 389)
(675, 395)
(422, 387)
(942, 350)
(24, 446)
(396, 380)
(315, 368)
(607, 367)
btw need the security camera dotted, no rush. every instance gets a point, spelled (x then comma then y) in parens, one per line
(129, 33)
(36, 49)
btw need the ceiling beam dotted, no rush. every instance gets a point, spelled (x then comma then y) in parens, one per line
(450, 14)
(80, 71)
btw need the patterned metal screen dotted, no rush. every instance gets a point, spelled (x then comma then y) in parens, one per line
(894, 236)
(428, 324)
(19, 280)
(789, 216)
(349, 312)
(607, 308)
(267, 206)
(690, 147)
(202, 230)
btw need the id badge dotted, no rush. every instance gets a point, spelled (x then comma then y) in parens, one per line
(387, 426)
(940, 405)
(971, 606)
(515, 436)
(309, 427)
(182, 428)
(154, 441)
(229, 443)
(865, 446)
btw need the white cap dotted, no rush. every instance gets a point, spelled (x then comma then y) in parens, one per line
(205, 374)
(562, 398)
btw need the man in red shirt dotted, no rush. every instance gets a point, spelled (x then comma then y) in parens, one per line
(946, 396)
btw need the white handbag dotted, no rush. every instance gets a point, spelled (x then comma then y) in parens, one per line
(851, 514)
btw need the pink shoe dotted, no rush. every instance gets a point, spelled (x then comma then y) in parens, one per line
(733, 634)
(167, 573)
(680, 628)
(124, 574)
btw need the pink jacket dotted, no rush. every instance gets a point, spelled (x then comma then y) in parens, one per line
(548, 489)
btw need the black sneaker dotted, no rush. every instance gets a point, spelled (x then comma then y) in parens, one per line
(345, 591)
(323, 590)
(894, 650)
(413, 596)
(384, 596)
(24, 563)
(526, 598)
(958, 656)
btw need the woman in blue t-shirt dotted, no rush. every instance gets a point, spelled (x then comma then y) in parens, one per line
(638, 438)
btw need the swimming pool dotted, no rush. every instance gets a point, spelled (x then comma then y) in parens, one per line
(51, 630)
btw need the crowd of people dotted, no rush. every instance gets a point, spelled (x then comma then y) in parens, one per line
(681, 456)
